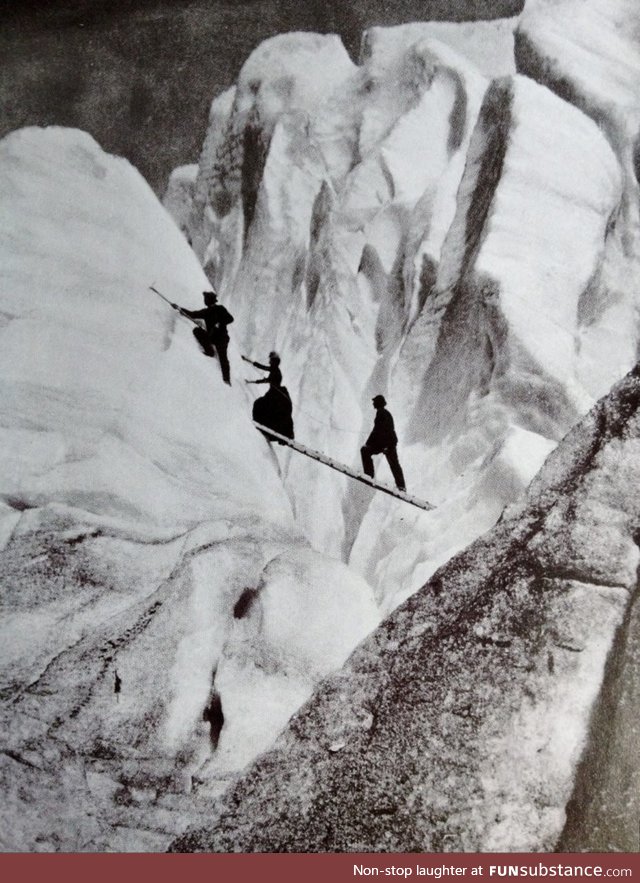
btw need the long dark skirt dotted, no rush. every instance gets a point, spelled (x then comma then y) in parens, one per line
(274, 409)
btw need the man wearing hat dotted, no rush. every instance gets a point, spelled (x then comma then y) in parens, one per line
(382, 440)
(216, 318)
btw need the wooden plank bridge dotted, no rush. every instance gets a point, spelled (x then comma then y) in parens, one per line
(345, 470)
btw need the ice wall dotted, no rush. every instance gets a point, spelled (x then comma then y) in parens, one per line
(310, 211)
(139, 507)
(477, 266)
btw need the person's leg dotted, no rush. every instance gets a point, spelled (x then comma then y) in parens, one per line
(367, 461)
(396, 469)
(221, 345)
(203, 339)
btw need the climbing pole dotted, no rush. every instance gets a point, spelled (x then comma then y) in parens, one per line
(179, 309)
(339, 467)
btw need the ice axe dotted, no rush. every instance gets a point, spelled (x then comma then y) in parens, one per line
(171, 304)
(198, 331)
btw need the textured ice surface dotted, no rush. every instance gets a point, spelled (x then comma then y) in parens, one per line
(475, 266)
(139, 505)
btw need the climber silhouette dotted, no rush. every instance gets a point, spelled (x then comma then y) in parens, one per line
(216, 338)
(117, 685)
(382, 440)
(274, 379)
(274, 409)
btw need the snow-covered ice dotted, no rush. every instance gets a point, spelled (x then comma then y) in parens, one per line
(470, 267)
(139, 504)
(426, 223)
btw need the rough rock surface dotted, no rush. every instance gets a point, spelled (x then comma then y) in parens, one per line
(460, 723)
(602, 813)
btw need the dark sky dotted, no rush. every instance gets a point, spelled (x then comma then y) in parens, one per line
(139, 75)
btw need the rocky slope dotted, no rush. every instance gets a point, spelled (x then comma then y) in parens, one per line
(162, 615)
(460, 723)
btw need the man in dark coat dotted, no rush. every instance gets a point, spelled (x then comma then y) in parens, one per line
(215, 339)
(382, 440)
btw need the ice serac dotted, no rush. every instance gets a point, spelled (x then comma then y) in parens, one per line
(461, 723)
(385, 235)
(178, 199)
(589, 54)
(498, 364)
(352, 192)
(588, 51)
(140, 513)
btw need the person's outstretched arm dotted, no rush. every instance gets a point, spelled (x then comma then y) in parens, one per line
(193, 314)
(256, 364)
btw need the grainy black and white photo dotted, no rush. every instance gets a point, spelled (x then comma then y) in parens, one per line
(320, 426)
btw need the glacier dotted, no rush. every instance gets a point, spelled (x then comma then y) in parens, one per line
(434, 224)
(450, 220)
(131, 528)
